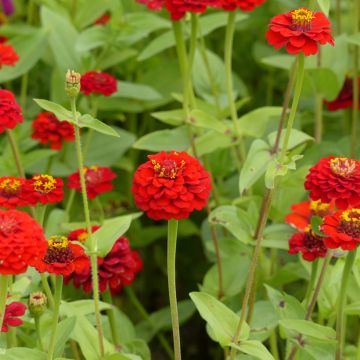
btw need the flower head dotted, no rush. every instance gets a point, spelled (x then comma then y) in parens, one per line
(300, 30)
(45, 189)
(10, 111)
(342, 229)
(63, 257)
(178, 8)
(96, 82)
(171, 186)
(22, 242)
(345, 98)
(97, 180)
(117, 269)
(8, 55)
(335, 178)
(48, 129)
(81, 235)
(244, 5)
(37, 303)
(11, 316)
(13, 192)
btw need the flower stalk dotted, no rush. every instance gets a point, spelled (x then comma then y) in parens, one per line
(3, 296)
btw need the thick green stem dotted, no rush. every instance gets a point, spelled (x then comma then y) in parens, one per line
(111, 316)
(92, 240)
(340, 321)
(314, 268)
(3, 296)
(101, 210)
(70, 202)
(171, 259)
(38, 334)
(47, 290)
(55, 318)
(16, 153)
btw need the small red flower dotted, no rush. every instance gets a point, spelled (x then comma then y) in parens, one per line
(3, 39)
(116, 270)
(335, 178)
(178, 8)
(10, 111)
(22, 242)
(13, 192)
(96, 82)
(63, 258)
(44, 189)
(48, 129)
(103, 19)
(300, 30)
(342, 229)
(171, 186)
(303, 212)
(11, 316)
(244, 5)
(97, 179)
(8, 55)
(154, 5)
(81, 235)
(308, 243)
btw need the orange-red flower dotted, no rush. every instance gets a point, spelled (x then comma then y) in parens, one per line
(13, 192)
(8, 55)
(178, 8)
(22, 242)
(335, 178)
(171, 186)
(308, 243)
(96, 82)
(48, 129)
(103, 19)
(44, 189)
(300, 30)
(63, 257)
(11, 316)
(342, 229)
(97, 179)
(244, 5)
(10, 111)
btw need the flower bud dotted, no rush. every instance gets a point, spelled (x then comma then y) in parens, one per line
(72, 83)
(37, 303)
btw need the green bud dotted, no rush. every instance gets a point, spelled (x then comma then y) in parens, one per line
(37, 303)
(72, 83)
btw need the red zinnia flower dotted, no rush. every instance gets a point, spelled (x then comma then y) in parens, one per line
(96, 82)
(335, 178)
(244, 5)
(171, 186)
(154, 5)
(13, 192)
(178, 8)
(308, 243)
(97, 179)
(300, 31)
(12, 312)
(48, 129)
(10, 111)
(63, 257)
(44, 189)
(81, 235)
(117, 269)
(302, 213)
(342, 229)
(8, 55)
(103, 19)
(22, 242)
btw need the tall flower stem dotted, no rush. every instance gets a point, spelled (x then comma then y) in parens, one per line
(111, 316)
(3, 296)
(16, 153)
(55, 319)
(171, 260)
(92, 241)
(38, 334)
(314, 268)
(338, 17)
(340, 321)
(265, 209)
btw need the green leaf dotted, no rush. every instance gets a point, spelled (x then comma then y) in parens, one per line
(254, 348)
(276, 236)
(324, 81)
(88, 11)
(21, 353)
(81, 307)
(222, 321)
(54, 221)
(34, 156)
(60, 112)
(111, 231)
(91, 38)
(64, 329)
(202, 119)
(136, 91)
(211, 141)
(137, 347)
(297, 138)
(171, 117)
(354, 39)
(122, 357)
(279, 61)
(316, 222)
(324, 6)
(88, 121)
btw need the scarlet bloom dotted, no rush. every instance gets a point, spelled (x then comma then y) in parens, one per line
(10, 111)
(22, 242)
(116, 270)
(81, 235)
(342, 229)
(13, 192)
(63, 257)
(335, 178)
(96, 82)
(97, 180)
(11, 316)
(178, 8)
(44, 189)
(244, 5)
(103, 19)
(48, 129)
(8, 55)
(300, 30)
(154, 5)
(308, 243)
(303, 212)
(171, 186)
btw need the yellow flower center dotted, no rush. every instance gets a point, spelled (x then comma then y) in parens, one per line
(93, 168)
(10, 186)
(83, 237)
(44, 183)
(57, 242)
(319, 208)
(351, 216)
(168, 168)
(302, 17)
(342, 166)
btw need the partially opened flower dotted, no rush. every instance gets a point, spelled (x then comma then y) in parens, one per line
(97, 180)
(244, 5)
(11, 316)
(309, 244)
(300, 30)
(335, 178)
(63, 257)
(8, 55)
(171, 186)
(97, 82)
(342, 229)
(45, 189)
(13, 192)
(10, 111)
(22, 242)
(47, 129)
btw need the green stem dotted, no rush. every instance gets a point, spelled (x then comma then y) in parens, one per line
(16, 153)
(70, 202)
(3, 296)
(47, 290)
(38, 334)
(91, 240)
(40, 211)
(101, 210)
(55, 318)
(340, 321)
(111, 316)
(171, 259)
(314, 267)
(274, 346)
(318, 117)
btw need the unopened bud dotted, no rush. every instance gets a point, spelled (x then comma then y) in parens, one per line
(72, 83)
(37, 303)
